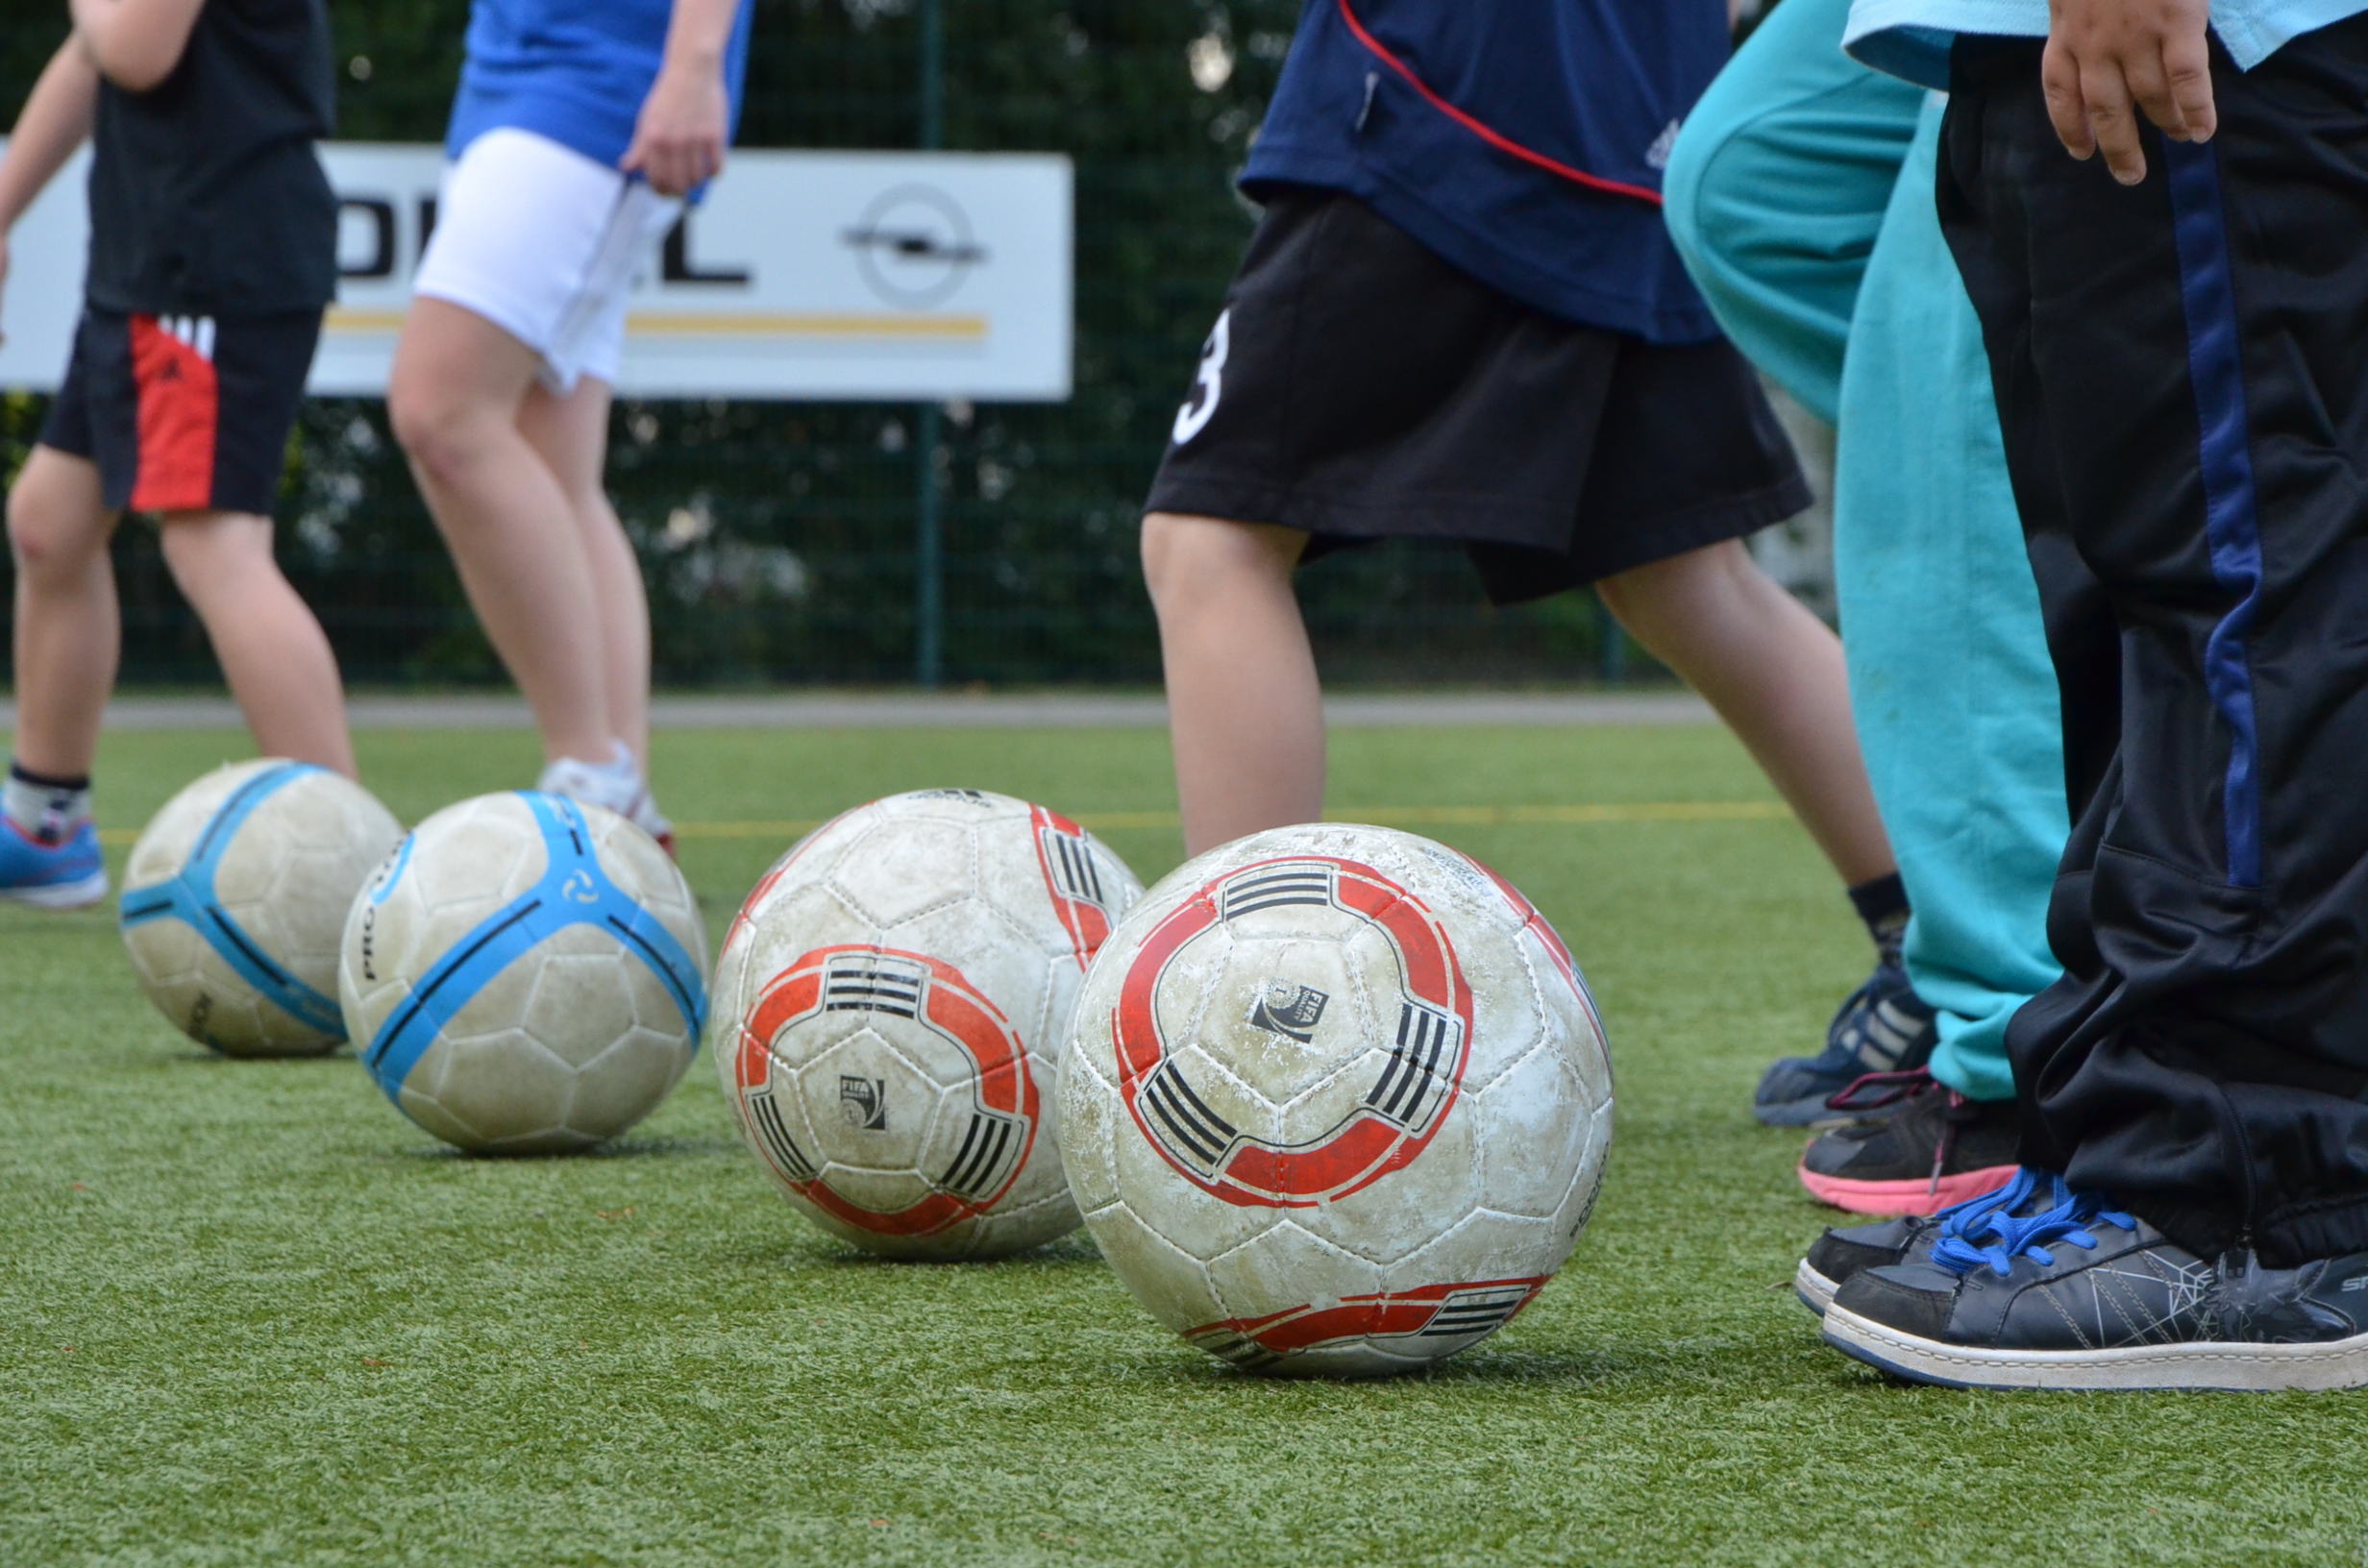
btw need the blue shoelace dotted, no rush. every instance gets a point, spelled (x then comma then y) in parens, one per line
(2068, 1220)
(1969, 1219)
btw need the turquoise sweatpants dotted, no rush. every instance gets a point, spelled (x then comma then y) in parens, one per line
(1800, 193)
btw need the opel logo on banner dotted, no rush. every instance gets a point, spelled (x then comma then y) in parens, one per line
(914, 245)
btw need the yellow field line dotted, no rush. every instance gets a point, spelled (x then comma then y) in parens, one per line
(1638, 811)
(1645, 810)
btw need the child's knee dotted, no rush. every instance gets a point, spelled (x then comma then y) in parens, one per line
(210, 552)
(48, 533)
(1184, 557)
(434, 427)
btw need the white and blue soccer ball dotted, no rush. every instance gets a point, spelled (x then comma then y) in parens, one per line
(525, 974)
(235, 896)
(1335, 1101)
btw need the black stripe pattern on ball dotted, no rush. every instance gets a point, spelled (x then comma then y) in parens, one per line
(868, 983)
(1292, 885)
(774, 1133)
(1202, 1137)
(1410, 1082)
(1073, 869)
(989, 1148)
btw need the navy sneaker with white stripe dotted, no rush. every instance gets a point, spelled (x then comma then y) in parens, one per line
(2083, 1295)
(1884, 1028)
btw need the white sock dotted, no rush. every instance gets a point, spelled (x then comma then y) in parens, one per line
(45, 809)
(615, 783)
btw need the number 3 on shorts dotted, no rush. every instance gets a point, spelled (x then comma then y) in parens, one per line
(1211, 382)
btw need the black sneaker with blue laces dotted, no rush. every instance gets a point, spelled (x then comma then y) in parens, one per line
(2083, 1295)
(1843, 1251)
(1884, 1028)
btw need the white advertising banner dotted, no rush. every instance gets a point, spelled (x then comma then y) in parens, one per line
(886, 276)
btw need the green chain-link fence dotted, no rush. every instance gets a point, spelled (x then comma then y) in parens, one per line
(777, 538)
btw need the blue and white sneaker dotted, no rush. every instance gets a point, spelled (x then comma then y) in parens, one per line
(2083, 1295)
(70, 873)
(1884, 1028)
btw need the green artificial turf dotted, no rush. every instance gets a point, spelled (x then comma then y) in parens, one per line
(248, 1315)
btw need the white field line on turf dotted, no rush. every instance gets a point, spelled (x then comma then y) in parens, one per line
(1632, 810)
(950, 710)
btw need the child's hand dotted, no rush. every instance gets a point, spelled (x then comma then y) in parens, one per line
(678, 142)
(2107, 57)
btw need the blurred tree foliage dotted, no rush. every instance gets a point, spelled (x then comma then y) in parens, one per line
(776, 536)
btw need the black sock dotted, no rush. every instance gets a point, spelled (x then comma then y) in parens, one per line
(1883, 904)
(45, 781)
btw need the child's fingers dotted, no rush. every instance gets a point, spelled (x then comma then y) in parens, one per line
(2059, 76)
(2112, 119)
(2186, 63)
(2150, 93)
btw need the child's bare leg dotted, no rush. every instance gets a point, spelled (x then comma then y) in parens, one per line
(571, 434)
(272, 650)
(68, 632)
(455, 395)
(1243, 705)
(1774, 673)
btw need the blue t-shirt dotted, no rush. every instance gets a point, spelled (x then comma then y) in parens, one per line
(1523, 140)
(574, 70)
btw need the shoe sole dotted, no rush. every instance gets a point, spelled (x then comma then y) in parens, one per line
(1816, 1290)
(55, 895)
(1915, 1195)
(2222, 1365)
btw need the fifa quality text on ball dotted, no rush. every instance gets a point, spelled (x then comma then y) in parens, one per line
(1336, 1101)
(888, 1008)
(525, 974)
(234, 899)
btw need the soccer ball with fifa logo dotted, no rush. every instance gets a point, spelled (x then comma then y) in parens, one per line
(1336, 1101)
(888, 1007)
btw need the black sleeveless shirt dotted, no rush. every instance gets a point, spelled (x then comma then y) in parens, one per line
(206, 196)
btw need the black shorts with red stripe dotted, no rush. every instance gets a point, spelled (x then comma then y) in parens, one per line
(184, 413)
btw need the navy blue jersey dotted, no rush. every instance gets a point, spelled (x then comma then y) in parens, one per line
(1521, 139)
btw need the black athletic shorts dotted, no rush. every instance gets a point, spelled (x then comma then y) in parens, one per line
(1358, 387)
(184, 413)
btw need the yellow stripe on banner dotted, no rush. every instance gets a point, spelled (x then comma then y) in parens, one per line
(1641, 811)
(748, 324)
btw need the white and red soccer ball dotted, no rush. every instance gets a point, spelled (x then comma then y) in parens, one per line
(1336, 1101)
(889, 1008)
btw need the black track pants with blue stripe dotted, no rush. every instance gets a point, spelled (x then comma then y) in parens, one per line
(2182, 373)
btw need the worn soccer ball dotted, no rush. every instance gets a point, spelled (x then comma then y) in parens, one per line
(888, 1011)
(234, 897)
(1336, 1101)
(525, 974)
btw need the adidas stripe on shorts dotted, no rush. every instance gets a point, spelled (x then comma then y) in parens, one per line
(543, 242)
(184, 413)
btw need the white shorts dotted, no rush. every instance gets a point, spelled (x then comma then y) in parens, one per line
(545, 243)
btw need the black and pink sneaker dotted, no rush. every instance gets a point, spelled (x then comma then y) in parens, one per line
(1932, 1150)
